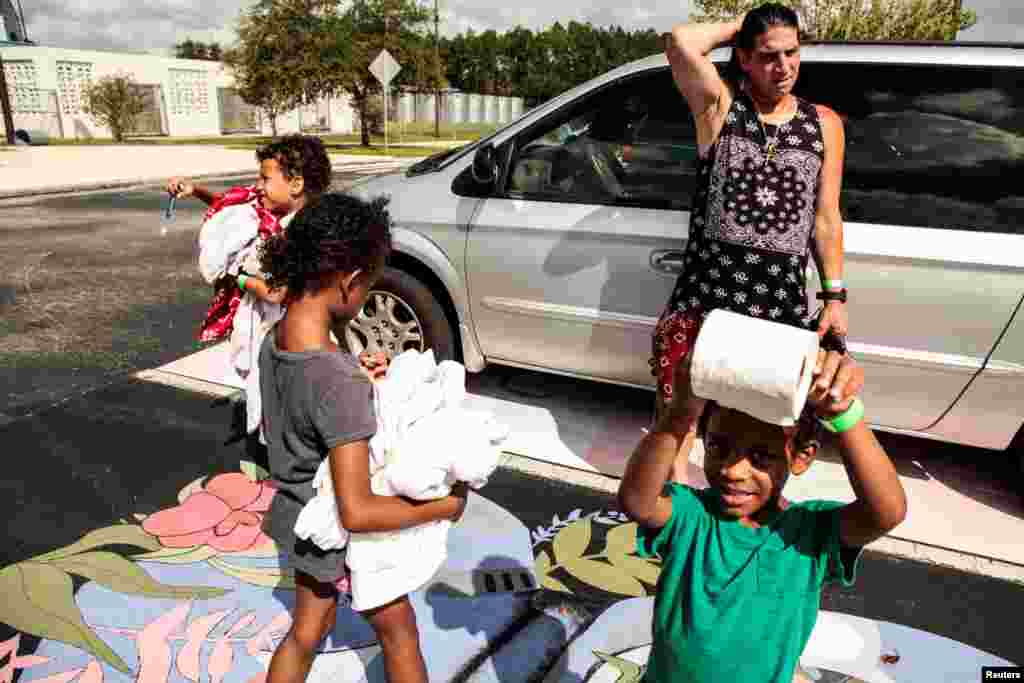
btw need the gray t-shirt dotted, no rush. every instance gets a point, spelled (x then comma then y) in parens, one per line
(312, 402)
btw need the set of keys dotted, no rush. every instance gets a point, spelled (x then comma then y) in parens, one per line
(167, 213)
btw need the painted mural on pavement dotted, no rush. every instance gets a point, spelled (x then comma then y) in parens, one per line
(195, 593)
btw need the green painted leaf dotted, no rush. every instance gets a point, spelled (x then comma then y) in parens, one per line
(124, 576)
(572, 541)
(621, 539)
(253, 471)
(542, 565)
(199, 553)
(39, 599)
(636, 567)
(269, 578)
(119, 534)
(555, 585)
(604, 576)
(629, 672)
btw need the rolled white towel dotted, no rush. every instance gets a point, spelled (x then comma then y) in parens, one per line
(318, 523)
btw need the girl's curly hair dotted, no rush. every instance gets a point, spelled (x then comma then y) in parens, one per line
(301, 156)
(334, 233)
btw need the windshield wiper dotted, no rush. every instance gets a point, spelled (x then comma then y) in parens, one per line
(431, 163)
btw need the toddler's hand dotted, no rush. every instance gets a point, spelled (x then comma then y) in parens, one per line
(180, 188)
(837, 380)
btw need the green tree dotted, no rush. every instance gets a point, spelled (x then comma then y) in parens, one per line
(524, 58)
(403, 28)
(115, 102)
(194, 49)
(860, 19)
(185, 49)
(294, 51)
(284, 54)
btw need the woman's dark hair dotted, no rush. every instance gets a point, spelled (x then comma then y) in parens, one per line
(334, 233)
(809, 431)
(301, 155)
(755, 23)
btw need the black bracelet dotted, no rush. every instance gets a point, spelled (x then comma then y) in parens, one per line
(835, 295)
(833, 342)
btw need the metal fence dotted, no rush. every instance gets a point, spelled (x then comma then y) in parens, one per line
(315, 117)
(151, 120)
(236, 115)
(44, 118)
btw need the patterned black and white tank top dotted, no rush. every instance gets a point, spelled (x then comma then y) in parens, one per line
(752, 218)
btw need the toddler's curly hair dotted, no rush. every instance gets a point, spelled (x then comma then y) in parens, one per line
(334, 233)
(301, 155)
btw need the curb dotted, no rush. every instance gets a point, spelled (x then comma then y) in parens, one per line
(892, 546)
(126, 183)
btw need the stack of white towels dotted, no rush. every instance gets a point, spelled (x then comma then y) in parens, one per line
(425, 443)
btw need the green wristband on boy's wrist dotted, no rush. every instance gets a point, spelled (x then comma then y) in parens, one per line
(846, 420)
(242, 279)
(831, 284)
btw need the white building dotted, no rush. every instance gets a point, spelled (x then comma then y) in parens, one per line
(185, 97)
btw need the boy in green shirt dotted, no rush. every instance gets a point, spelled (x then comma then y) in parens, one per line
(742, 569)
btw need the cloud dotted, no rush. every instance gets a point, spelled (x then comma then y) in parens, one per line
(129, 24)
(155, 24)
(134, 25)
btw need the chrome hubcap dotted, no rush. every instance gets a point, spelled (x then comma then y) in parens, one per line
(386, 323)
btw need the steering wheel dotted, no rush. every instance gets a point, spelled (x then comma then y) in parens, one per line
(604, 166)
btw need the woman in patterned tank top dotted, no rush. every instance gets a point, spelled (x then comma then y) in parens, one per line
(767, 196)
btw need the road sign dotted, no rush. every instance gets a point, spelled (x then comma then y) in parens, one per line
(385, 68)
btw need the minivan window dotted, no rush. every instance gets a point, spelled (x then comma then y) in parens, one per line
(633, 143)
(934, 146)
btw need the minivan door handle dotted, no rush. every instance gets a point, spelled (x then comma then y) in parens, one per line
(668, 260)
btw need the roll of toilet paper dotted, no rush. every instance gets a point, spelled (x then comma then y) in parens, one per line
(756, 366)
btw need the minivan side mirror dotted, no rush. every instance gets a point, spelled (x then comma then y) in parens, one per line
(485, 165)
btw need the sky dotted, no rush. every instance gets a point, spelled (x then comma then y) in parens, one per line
(158, 24)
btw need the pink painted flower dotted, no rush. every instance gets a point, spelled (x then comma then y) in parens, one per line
(225, 514)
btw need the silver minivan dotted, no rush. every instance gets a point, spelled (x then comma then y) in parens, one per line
(554, 243)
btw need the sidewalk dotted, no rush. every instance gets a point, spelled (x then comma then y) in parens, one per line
(31, 171)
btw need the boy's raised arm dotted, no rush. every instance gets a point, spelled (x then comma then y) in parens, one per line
(640, 491)
(881, 503)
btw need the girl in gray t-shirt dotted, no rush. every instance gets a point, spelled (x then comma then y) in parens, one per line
(317, 403)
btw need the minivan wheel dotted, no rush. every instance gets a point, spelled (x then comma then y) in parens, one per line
(400, 314)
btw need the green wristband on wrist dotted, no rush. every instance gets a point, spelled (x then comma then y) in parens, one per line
(845, 420)
(832, 284)
(242, 279)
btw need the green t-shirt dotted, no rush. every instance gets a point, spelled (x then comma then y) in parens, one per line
(735, 603)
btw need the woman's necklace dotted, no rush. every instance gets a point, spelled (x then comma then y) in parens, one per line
(771, 144)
